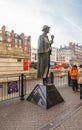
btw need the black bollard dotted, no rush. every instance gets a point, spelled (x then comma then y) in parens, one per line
(52, 78)
(22, 87)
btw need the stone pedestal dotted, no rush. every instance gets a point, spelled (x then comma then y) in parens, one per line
(45, 96)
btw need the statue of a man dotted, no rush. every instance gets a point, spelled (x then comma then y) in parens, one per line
(44, 52)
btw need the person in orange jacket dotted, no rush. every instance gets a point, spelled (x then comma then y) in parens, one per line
(73, 75)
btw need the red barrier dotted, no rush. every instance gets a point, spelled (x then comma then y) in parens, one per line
(25, 64)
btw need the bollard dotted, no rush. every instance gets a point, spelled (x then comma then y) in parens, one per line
(52, 78)
(22, 87)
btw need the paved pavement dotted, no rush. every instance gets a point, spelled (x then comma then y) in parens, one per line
(23, 115)
(74, 122)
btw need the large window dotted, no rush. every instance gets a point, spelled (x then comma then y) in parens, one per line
(1, 38)
(20, 41)
(9, 39)
(16, 40)
(1, 31)
(8, 33)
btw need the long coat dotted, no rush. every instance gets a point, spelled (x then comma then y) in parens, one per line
(79, 76)
(44, 51)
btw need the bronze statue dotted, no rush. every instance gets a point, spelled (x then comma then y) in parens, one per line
(44, 52)
(45, 94)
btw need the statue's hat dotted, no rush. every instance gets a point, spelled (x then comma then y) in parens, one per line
(44, 27)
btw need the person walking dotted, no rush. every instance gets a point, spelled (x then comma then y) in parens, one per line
(79, 80)
(73, 75)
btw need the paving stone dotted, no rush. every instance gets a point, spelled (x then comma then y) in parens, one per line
(23, 115)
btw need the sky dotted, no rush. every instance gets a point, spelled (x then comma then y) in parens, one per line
(28, 17)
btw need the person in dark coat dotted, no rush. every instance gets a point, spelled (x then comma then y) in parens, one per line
(79, 80)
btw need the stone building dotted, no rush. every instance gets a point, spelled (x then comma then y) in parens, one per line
(77, 50)
(71, 53)
(14, 49)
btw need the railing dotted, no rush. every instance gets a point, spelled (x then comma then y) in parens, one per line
(9, 87)
(17, 86)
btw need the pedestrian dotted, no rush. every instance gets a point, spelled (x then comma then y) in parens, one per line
(79, 80)
(73, 75)
(44, 52)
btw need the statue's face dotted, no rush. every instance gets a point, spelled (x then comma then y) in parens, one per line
(47, 30)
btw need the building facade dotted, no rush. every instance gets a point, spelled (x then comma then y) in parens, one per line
(77, 50)
(34, 56)
(14, 40)
(71, 53)
(14, 50)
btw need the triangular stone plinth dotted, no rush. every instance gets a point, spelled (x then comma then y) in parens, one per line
(45, 96)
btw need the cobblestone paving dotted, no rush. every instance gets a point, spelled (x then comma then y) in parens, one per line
(23, 115)
(72, 123)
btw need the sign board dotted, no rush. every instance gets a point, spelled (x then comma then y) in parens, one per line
(12, 87)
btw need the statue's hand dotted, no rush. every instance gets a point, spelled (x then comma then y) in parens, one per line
(52, 37)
